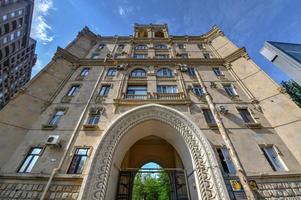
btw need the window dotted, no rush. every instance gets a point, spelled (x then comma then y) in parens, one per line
(167, 89)
(4, 17)
(217, 71)
(18, 33)
(162, 56)
(20, 12)
(208, 116)
(201, 46)
(181, 46)
(94, 55)
(164, 72)
(101, 46)
(85, 72)
(137, 90)
(121, 46)
(224, 157)
(4, 40)
(78, 161)
(141, 47)
(93, 118)
(138, 73)
(272, 155)
(184, 55)
(12, 36)
(191, 71)
(206, 55)
(246, 115)
(159, 34)
(73, 91)
(111, 72)
(30, 160)
(56, 117)
(161, 46)
(12, 14)
(104, 90)
(229, 88)
(198, 90)
(140, 56)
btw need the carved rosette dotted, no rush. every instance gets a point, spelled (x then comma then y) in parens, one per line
(210, 180)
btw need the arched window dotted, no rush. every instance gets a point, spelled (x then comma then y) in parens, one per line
(141, 47)
(142, 33)
(161, 46)
(138, 73)
(164, 72)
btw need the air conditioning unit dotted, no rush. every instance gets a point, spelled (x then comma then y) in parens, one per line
(183, 67)
(120, 67)
(213, 85)
(223, 109)
(53, 140)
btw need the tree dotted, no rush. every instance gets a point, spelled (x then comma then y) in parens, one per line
(151, 186)
(294, 90)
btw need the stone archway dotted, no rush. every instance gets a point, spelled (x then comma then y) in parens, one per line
(210, 182)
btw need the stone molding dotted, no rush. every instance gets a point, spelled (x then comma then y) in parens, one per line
(209, 177)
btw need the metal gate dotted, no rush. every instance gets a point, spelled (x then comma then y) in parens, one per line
(178, 182)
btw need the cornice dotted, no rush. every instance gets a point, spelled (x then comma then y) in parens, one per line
(62, 53)
(241, 52)
(213, 33)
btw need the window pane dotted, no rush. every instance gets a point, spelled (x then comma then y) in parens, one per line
(230, 165)
(82, 151)
(81, 165)
(32, 163)
(246, 116)
(36, 151)
(25, 163)
(208, 116)
(274, 159)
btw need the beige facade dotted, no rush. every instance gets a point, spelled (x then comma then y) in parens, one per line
(151, 109)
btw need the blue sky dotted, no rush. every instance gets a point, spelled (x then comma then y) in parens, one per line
(246, 22)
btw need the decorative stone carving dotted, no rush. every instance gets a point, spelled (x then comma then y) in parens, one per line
(209, 177)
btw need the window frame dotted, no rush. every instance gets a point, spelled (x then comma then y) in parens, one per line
(232, 92)
(140, 56)
(55, 118)
(106, 91)
(167, 89)
(134, 91)
(245, 118)
(198, 90)
(31, 160)
(78, 161)
(166, 72)
(225, 160)
(141, 47)
(73, 90)
(135, 73)
(269, 158)
(208, 115)
(85, 72)
(111, 72)
(191, 71)
(217, 71)
(159, 46)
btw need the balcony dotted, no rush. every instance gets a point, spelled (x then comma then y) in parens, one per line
(161, 98)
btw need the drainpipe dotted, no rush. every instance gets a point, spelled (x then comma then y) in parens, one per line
(240, 172)
(69, 145)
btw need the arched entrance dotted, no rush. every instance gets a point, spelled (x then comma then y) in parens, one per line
(137, 179)
(204, 176)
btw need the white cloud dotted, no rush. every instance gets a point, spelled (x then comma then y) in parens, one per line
(121, 11)
(41, 30)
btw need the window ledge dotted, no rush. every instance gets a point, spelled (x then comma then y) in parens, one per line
(90, 127)
(253, 125)
(212, 125)
(79, 78)
(100, 99)
(48, 127)
(66, 99)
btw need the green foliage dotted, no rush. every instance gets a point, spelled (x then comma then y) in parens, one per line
(294, 90)
(151, 187)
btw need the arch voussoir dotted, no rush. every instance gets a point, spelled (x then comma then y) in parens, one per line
(210, 181)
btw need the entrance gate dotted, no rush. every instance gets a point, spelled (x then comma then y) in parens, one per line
(178, 182)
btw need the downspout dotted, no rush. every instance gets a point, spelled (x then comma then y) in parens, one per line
(240, 172)
(69, 145)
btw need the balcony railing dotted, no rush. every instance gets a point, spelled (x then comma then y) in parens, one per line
(154, 96)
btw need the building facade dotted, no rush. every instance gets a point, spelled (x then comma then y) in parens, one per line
(286, 56)
(196, 105)
(17, 49)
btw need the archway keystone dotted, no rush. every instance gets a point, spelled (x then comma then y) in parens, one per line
(209, 178)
